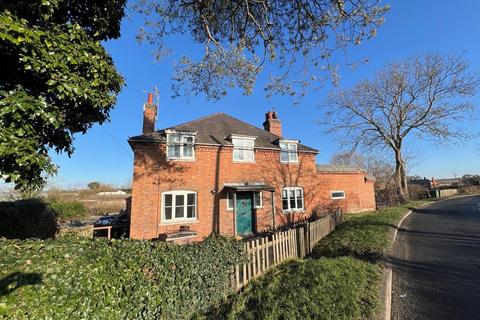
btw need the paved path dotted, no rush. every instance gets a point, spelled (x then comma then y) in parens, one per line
(436, 262)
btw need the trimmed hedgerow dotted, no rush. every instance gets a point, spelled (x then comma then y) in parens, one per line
(24, 219)
(75, 278)
(67, 210)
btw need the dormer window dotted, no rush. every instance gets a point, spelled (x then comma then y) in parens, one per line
(288, 151)
(180, 146)
(243, 149)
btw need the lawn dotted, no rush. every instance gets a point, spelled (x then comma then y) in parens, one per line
(340, 280)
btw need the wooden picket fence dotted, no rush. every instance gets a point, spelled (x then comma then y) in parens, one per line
(268, 251)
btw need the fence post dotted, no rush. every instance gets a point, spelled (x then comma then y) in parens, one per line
(267, 246)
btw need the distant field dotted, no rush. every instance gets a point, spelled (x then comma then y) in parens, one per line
(96, 204)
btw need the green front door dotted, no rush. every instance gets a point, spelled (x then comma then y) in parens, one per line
(244, 213)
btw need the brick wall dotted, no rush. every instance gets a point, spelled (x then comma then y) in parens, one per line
(212, 168)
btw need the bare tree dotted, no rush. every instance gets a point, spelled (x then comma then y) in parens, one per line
(422, 96)
(240, 36)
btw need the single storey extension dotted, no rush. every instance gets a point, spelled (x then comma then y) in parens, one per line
(220, 174)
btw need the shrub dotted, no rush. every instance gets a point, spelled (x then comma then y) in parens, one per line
(24, 219)
(77, 278)
(68, 209)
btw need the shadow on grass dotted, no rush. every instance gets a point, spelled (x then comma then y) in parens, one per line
(16, 280)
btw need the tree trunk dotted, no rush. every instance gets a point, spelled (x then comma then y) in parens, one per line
(401, 177)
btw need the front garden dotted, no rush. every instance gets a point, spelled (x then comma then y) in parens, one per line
(80, 278)
(341, 279)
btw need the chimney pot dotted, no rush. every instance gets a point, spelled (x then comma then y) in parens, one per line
(149, 115)
(272, 123)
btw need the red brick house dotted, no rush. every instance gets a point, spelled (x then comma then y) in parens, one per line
(220, 174)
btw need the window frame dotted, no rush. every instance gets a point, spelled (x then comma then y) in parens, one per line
(286, 149)
(244, 149)
(337, 198)
(185, 218)
(260, 197)
(296, 209)
(231, 198)
(182, 143)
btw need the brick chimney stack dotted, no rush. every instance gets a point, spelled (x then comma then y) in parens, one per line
(149, 115)
(272, 123)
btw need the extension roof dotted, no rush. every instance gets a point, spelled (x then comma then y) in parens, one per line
(337, 168)
(216, 129)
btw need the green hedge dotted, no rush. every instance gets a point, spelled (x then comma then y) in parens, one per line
(67, 210)
(24, 219)
(74, 278)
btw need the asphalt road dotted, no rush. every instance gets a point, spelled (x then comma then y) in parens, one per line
(436, 262)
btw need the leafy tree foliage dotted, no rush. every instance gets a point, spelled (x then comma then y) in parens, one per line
(56, 80)
(94, 185)
(239, 37)
(424, 97)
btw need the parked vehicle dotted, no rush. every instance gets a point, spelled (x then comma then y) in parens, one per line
(119, 223)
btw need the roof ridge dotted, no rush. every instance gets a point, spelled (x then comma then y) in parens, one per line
(195, 120)
(251, 125)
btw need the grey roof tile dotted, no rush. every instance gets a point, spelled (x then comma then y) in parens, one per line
(216, 129)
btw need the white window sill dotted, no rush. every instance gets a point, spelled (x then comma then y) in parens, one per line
(289, 162)
(294, 211)
(338, 198)
(178, 221)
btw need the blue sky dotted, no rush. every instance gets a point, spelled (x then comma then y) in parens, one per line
(411, 27)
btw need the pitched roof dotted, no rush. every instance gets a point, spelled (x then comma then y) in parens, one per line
(337, 168)
(215, 129)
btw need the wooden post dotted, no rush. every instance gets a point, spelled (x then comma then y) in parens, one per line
(273, 209)
(267, 246)
(259, 262)
(234, 214)
(274, 248)
(237, 277)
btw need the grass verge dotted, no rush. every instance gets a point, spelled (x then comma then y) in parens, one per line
(340, 288)
(365, 236)
(341, 279)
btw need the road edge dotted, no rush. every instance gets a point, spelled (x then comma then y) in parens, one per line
(387, 273)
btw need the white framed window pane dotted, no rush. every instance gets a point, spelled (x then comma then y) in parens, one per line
(284, 156)
(291, 196)
(338, 195)
(191, 199)
(168, 213)
(238, 155)
(299, 199)
(284, 199)
(179, 211)
(188, 151)
(249, 155)
(188, 147)
(167, 200)
(174, 151)
(257, 199)
(190, 211)
(229, 200)
(179, 206)
(179, 200)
